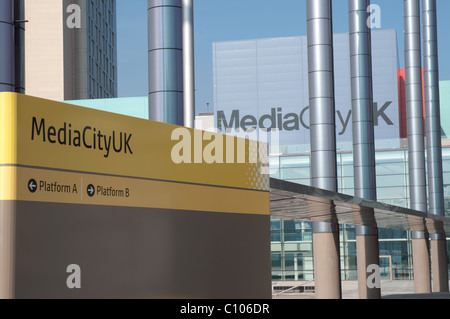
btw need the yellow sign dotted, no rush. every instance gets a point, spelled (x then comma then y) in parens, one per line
(56, 152)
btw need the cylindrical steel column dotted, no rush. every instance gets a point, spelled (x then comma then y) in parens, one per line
(416, 146)
(414, 106)
(321, 95)
(323, 142)
(7, 65)
(434, 146)
(363, 138)
(188, 63)
(165, 61)
(19, 35)
(362, 100)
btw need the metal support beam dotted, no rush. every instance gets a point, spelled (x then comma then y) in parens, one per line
(188, 63)
(416, 146)
(323, 143)
(165, 56)
(434, 146)
(363, 138)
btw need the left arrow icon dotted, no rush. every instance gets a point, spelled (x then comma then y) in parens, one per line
(32, 185)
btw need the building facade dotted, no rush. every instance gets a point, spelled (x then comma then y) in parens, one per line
(291, 242)
(263, 83)
(71, 49)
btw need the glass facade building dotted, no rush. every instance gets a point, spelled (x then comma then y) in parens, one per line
(71, 49)
(292, 257)
(102, 43)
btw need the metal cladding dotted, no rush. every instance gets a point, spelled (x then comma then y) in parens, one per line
(362, 105)
(363, 136)
(414, 106)
(19, 35)
(321, 95)
(165, 54)
(416, 147)
(434, 147)
(323, 142)
(362, 100)
(7, 68)
(432, 108)
(188, 63)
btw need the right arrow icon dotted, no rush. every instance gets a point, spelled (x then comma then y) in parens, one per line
(90, 190)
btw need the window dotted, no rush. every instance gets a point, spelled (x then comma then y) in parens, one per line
(391, 180)
(275, 228)
(390, 157)
(294, 161)
(384, 193)
(295, 173)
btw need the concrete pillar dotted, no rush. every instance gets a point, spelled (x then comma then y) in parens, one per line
(416, 146)
(363, 139)
(367, 254)
(326, 262)
(188, 63)
(327, 273)
(165, 61)
(421, 263)
(7, 65)
(439, 263)
(434, 146)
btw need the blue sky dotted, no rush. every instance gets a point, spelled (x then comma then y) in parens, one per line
(228, 20)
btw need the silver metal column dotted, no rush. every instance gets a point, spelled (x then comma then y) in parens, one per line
(19, 35)
(323, 142)
(363, 138)
(188, 63)
(7, 69)
(434, 146)
(321, 95)
(165, 56)
(362, 100)
(416, 146)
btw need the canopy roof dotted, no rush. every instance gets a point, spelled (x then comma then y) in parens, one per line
(294, 201)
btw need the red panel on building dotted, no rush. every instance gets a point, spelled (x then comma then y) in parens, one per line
(402, 103)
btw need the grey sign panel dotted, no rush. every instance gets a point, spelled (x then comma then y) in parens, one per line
(263, 83)
(139, 252)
